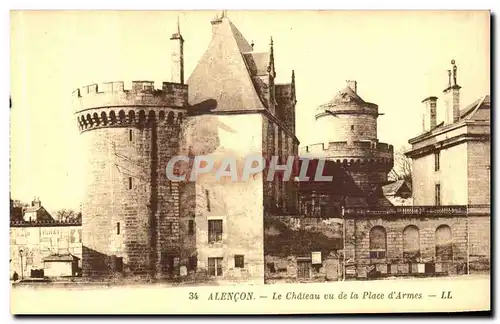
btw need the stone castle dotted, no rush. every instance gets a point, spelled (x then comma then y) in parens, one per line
(136, 220)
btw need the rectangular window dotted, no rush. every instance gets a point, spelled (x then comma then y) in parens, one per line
(377, 254)
(239, 261)
(207, 194)
(352, 127)
(130, 135)
(118, 228)
(214, 231)
(438, 194)
(191, 227)
(130, 182)
(215, 267)
(169, 228)
(436, 161)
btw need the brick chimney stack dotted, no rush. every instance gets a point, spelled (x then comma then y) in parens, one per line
(452, 97)
(353, 85)
(216, 21)
(429, 116)
(177, 55)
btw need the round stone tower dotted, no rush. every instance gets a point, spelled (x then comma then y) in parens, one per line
(349, 128)
(130, 213)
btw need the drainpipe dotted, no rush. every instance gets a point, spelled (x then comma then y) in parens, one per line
(468, 236)
(344, 248)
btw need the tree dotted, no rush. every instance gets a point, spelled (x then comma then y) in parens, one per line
(65, 215)
(402, 169)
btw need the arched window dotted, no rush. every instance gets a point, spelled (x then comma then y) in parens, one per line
(378, 242)
(444, 244)
(411, 244)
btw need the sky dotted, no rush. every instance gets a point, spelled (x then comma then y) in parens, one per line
(398, 59)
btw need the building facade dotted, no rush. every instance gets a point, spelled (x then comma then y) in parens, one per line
(32, 242)
(451, 159)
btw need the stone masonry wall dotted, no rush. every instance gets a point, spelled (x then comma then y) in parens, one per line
(478, 176)
(360, 231)
(130, 211)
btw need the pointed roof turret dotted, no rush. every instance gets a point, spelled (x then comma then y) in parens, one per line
(177, 34)
(222, 74)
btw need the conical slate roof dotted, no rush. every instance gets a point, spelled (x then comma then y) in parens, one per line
(344, 96)
(222, 74)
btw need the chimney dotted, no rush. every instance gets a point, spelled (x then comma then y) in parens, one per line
(353, 85)
(216, 21)
(452, 97)
(429, 116)
(177, 56)
(36, 202)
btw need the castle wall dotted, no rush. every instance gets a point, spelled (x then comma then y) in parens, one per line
(276, 141)
(238, 205)
(468, 239)
(346, 127)
(130, 212)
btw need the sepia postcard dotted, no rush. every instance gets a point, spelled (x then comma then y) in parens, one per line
(249, 162)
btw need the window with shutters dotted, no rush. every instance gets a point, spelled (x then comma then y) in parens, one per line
(215, 267)
(214, 231)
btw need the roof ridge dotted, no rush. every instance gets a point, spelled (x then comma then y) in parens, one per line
(222, 72)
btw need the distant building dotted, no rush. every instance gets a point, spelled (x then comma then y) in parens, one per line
(398, 193)
(36, 212)
(16, 210)
(32, 242)
(60, 265)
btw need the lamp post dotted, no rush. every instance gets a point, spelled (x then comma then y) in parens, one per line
(21, 255)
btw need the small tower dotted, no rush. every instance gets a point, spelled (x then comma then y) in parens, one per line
(348, 127)
(177, 70)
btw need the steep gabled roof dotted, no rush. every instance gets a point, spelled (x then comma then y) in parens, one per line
(222, 74)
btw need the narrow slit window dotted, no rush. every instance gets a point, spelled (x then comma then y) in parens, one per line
(118, 228)
(191, 227)
(207, 194)
(437, 162)
(438, 194)
(352, 127)
(130, 135)
(130, 182)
